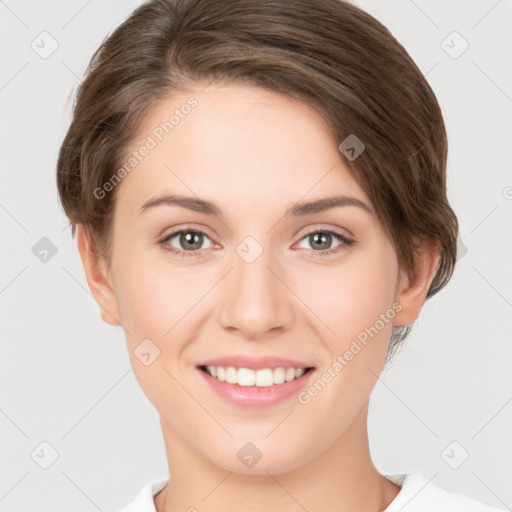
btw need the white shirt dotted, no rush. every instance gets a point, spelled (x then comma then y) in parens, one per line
(416, 492)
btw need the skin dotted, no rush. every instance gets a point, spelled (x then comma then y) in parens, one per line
(244, 148)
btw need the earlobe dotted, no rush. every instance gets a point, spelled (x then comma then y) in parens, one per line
(412, 290)
(97, 278)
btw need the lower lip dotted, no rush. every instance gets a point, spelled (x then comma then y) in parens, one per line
(254, 396)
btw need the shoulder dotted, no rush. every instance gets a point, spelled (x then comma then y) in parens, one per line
(421, 495)
(144, 502)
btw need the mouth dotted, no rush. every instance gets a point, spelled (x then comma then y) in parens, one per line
(248, 381)
(261, 378)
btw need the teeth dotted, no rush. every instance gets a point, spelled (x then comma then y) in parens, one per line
(260, 378)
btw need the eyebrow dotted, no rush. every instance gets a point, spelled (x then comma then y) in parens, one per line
(297, 209)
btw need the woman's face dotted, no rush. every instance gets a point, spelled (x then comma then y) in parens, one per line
(255, 281)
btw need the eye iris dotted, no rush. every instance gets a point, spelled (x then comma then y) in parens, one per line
(188, 237)
(320, 238)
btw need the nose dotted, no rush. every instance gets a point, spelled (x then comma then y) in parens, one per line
(255, 300)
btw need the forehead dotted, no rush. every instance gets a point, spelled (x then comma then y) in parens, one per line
(237, 143)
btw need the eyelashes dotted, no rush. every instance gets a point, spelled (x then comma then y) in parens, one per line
(346, 242)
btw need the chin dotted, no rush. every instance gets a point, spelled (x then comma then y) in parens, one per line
(260, 456)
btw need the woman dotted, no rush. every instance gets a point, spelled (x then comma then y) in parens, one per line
(300, 153)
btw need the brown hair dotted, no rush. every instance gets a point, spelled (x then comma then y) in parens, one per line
(329, 54)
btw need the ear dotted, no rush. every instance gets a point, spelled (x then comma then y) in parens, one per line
(412, 291)
(98, 278)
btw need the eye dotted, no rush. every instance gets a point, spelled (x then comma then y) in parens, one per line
(191, 242)
(190, 239)
(322, 240)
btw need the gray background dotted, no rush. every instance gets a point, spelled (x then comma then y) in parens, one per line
(65, 375)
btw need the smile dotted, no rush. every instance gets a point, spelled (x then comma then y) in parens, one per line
(264, 377)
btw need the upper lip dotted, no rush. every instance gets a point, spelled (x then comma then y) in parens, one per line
(255, 363)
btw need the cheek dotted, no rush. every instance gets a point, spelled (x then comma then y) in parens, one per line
(151, 295)
(352, 296)
(356, 303)
(152, 303)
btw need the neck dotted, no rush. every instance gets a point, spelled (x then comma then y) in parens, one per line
(342, 478)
